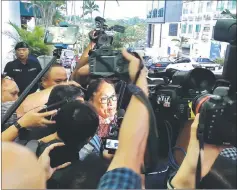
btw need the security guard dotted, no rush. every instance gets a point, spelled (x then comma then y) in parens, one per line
(23, 70)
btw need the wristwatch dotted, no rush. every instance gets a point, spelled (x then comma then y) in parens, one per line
(17, 125)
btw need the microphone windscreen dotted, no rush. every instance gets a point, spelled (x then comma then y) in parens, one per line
(121, 113)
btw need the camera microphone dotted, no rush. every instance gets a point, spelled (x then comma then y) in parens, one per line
(120, 116)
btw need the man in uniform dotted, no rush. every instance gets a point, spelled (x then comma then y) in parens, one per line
(23, 70)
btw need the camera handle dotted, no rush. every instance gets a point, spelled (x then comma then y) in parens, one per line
(121, 93)
(25, 93)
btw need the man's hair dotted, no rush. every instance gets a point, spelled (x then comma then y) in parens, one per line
(46, 75)
(21, 45)
(85, 174)
(94, 87)
(75, 123)
(61, 92)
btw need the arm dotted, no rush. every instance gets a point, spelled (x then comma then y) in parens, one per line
(186, 175)
(83, 61)
(134, 132)
(30, 119)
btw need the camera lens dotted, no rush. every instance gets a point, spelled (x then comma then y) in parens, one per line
(199, 101)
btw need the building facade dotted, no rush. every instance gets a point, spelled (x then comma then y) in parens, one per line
(10, 12)
(197, 25)
(163, 18)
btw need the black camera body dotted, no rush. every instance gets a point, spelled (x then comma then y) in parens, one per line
(103, 60)
(106, 62)
(217, 120)
(174, 101)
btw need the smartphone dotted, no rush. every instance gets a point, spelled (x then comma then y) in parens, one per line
(62, 154)
(61, 35)
(111, 144)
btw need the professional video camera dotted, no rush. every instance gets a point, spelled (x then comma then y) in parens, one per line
(198, 91)
(103, 60)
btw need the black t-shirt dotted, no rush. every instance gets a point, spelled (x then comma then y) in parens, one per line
(23, 74)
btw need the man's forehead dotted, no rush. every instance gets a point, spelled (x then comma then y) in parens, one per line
(9, 85)
(57, 71)
(106, 89)
(22, 49)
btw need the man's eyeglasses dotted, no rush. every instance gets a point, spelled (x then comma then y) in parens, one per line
(105, 99)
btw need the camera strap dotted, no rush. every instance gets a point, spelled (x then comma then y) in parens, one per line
(152, 143)
(200, 137)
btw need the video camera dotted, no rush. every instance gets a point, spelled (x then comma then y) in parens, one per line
(198, 91)
(103, 60)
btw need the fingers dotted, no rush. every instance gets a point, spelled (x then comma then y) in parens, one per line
(47, 122)
(195, 122)
(63, 166)
(39, 108)
(129, 57)
(52, 146)
(194, 128)
(49, 113)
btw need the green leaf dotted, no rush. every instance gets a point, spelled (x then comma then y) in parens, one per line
(34, 38)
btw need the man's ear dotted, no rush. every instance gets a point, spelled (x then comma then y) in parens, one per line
(43, 81)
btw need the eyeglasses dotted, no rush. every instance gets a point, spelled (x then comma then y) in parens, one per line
(105, 99)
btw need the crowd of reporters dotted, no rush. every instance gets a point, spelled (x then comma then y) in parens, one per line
(79, 126)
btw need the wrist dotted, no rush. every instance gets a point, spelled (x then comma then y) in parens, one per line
(21, 123)
(182, 181)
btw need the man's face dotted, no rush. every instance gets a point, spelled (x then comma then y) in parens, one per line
(10, 90)
(105, 100)
(22, 53)
(56, 76)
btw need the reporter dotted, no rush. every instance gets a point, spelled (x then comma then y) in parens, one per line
(30, 119)
(76, 122)
(125, 168)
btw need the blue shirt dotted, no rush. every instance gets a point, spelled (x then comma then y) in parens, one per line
(120, 178)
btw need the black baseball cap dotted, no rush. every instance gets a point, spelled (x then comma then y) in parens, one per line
(21, 45)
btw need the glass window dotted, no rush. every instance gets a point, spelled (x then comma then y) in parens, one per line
(184, 28)
(200, 7)
(198, 28)
(190, 29)
(209, 6)
(231, 5)
(206, 28)
(185, 8)
(191, 8)
(220, 5)
(173, 29)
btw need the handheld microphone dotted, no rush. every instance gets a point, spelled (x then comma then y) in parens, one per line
(114, 129)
